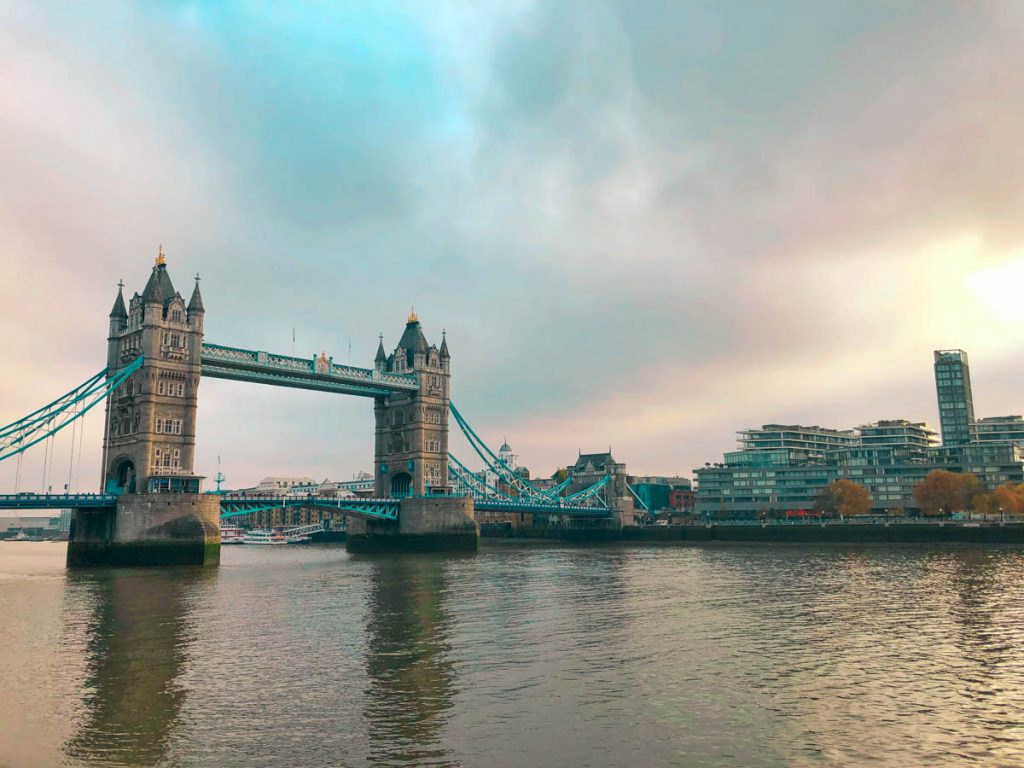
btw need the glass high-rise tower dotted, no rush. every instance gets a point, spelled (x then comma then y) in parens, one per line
(956, 404)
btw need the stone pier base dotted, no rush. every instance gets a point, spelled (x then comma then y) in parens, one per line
(148, 529)
(432, 524)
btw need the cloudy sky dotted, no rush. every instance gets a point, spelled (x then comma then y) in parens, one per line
(644, 225)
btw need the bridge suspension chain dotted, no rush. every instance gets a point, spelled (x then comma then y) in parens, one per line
(476, 485)
(507, 474)
(528, 492)
(45, 422)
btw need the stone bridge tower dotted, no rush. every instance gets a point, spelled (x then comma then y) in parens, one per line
(160, 517)
(411, 454)
(149, 439)
(411, 457)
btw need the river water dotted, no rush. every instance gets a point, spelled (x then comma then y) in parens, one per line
(518, 656)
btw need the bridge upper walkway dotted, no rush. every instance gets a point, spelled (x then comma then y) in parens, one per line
(321, 374)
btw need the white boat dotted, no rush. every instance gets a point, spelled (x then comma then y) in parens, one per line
(231, 534)
(264, 537)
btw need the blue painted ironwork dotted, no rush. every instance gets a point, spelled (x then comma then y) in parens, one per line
(637, 497)
(591, 492)
(321, 374)
(467, 476)
(557, 490)
(20, 435)
(550, 507)
(56, 500)
(507, 474)
(377, 509)
(488, 498)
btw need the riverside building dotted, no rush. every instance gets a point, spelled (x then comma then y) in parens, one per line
(785, 468)
(956, 402)
(887, 457)
(999, 429)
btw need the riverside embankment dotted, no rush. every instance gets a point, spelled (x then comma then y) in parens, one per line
(834, 532)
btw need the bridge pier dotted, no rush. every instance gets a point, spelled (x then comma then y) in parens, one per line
(148, 529)
(425, 524)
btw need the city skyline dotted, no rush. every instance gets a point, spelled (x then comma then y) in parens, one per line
(614, 255)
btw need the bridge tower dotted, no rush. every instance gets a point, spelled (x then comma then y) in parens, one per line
(150, 435)
(149, 438)
(411, 454)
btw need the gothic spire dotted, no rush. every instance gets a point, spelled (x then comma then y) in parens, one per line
(119, 310)
(444, 344)
(195, 304)
(381, 354)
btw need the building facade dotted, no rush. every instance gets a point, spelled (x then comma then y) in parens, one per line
(889, 458)
(411, 454)
(956, 401)
(149, 435)
(1000, 429)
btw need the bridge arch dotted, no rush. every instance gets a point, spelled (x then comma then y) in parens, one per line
(122, 477)
(401, 485)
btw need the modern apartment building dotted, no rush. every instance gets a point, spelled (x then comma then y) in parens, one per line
(956, 402)
(784, 468)
(888, 457)
(999, 429)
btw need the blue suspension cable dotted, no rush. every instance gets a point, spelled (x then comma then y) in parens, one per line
(22, 434)
(499, 467)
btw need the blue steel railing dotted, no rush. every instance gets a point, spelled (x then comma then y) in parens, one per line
(554, 508)
(56, 500)
(377, 509)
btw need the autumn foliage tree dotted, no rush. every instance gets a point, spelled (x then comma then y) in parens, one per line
(1009, 498)
(845, 498)
(942, 492)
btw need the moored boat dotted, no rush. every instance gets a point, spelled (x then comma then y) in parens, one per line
(264, 537)
(231, 534)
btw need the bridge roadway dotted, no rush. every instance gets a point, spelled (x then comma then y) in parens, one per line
(237, 506)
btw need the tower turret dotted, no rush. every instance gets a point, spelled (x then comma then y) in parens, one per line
(118, 313)
(195, 310)
(380, 362)
(445, 357)
(118, 323)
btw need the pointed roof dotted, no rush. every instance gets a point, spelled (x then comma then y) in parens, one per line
(195, 304)
(119, 309)
(444, 345)
(159, 287)
(598, 461)
(382, 356)
(412, 340)
(152, 290)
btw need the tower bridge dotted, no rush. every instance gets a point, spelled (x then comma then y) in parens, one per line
(151, 509)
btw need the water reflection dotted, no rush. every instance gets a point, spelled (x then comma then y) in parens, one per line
(411, 677)
(138, 637)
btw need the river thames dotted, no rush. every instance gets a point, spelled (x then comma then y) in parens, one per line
(517, 656)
